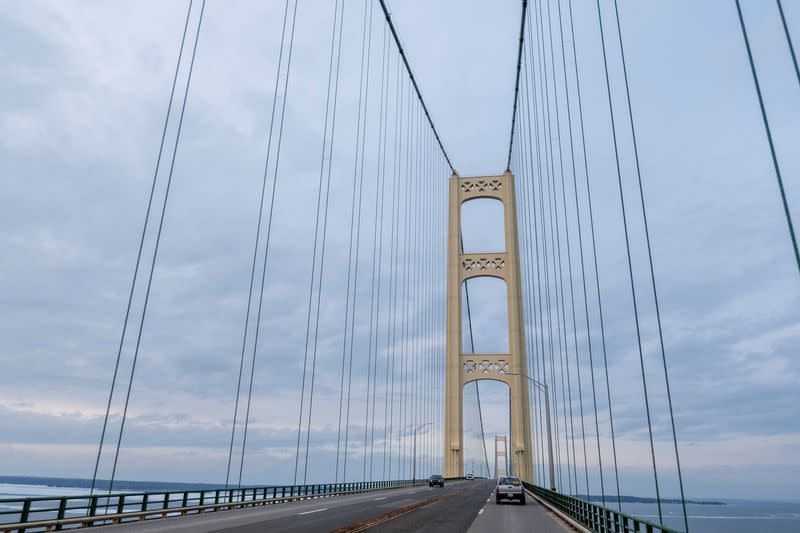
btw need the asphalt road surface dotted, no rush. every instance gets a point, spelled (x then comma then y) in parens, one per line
(511, 516)
(459, 506)
(452, 509)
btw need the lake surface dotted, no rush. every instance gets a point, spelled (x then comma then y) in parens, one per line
(737, 516)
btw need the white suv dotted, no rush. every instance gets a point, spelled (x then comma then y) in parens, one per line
(510, 488)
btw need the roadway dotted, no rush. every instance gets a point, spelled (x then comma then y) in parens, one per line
(459, 506)
(511, 516)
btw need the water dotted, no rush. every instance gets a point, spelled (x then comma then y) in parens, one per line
(737, 516)
(14, 487)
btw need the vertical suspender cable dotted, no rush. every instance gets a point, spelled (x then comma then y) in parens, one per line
(377, 240)
(597, 279)
(355, 226)
(324, 236)
(538, 221)
(391, 335)
(256, 244)
(314, 254)
(333, 56)
(569, 256)
(472, 347)
(158, 241)
(141, 246)
(549, 167)
(565, 352)
(269, 228)
(652, 270)
(630, 272)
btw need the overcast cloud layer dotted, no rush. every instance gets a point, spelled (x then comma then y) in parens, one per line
(82, 100)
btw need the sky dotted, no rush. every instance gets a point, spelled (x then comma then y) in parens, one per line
(82, 103)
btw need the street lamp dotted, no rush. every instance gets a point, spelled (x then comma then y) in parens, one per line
(414, 474)
(543, 387)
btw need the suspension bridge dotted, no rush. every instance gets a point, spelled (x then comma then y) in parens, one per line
(382, 385)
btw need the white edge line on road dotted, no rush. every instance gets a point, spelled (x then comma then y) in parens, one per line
(378, 499)
(480, 512)
(314, 511)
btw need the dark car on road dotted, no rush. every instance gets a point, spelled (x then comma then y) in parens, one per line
(436, 479)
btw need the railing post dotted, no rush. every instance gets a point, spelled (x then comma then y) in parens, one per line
(166, 500)
(120, 504)
(92, 506)
(26, 511)
(144, 501)
(62, 510)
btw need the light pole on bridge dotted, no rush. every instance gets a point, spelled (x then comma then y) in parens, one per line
(414, 470)
(543, 387)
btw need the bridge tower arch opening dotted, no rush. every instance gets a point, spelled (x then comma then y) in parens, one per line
(461, 367)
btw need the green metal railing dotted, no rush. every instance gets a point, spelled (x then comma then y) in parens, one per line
(595, 517)
(66, 512)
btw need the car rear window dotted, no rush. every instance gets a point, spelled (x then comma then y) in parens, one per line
(509, 481)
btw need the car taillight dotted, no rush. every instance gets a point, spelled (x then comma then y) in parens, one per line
(497, 489)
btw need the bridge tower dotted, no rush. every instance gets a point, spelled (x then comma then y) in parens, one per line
(462, 368)
(500, 451)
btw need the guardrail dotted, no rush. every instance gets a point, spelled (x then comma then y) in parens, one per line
(66, 512)
(595, 517)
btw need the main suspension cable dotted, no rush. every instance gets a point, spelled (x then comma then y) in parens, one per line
(516, 82)
(788, 40)
(768, 130)
(396, 37)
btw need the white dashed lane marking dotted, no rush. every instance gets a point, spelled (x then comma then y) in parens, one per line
(314, 511)
(378, 499)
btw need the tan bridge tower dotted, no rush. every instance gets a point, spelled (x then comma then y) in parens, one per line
(461, 367)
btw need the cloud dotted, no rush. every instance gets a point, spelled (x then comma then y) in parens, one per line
(82, 105)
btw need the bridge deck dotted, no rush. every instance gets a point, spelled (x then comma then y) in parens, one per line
(460, 506)
(495, 517)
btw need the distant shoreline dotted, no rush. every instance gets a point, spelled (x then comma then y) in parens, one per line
(638, 499)
(103, 484)
(152, 486)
